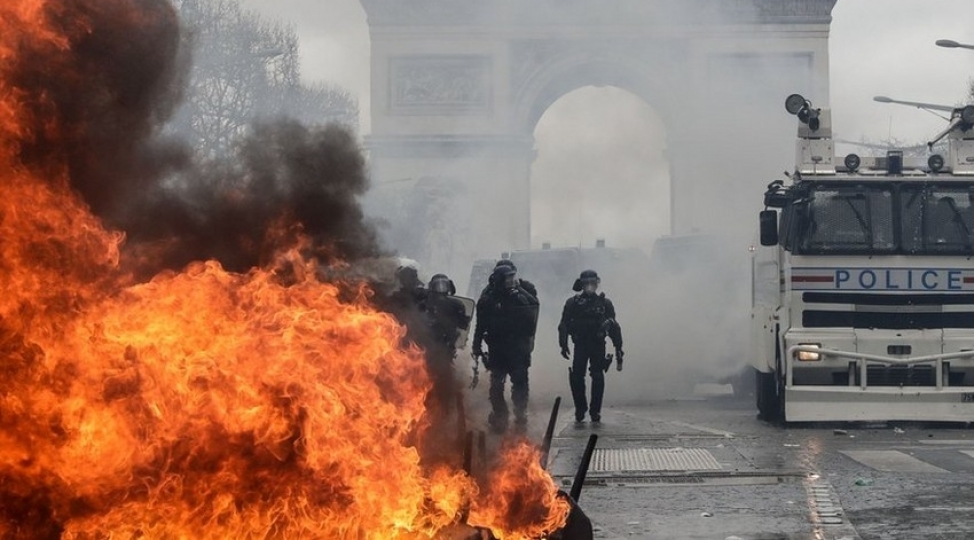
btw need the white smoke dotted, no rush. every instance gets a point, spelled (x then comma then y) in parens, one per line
(608, 163)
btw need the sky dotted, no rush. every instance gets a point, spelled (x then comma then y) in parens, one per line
(886, 47)
(877, 47)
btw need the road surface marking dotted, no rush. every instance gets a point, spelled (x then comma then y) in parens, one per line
(891, 461)
(725, 434)
(960, 442)
(825, 512)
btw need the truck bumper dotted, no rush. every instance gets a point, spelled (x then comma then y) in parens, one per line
(852, 404)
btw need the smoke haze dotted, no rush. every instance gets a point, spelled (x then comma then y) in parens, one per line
(603, 169)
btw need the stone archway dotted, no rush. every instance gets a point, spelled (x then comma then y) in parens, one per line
(458, 86)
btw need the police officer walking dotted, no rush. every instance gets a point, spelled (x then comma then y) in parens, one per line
(507, 317)
(589, 318)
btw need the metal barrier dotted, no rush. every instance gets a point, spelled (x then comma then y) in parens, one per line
(861, 360)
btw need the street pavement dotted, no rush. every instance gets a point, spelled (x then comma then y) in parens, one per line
(706, 468)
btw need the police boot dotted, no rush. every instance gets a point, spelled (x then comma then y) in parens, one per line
(577, 384)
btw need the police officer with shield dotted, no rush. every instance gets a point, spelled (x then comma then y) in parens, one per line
(589, 318)
(447, 318)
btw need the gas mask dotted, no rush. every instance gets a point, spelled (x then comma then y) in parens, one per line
(589, 286)
(510, 282)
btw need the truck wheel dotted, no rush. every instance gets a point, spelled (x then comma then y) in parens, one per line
(767, 398)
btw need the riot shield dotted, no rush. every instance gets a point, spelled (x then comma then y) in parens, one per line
(469, 312)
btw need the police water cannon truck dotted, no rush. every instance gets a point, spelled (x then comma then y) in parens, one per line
(862, 282)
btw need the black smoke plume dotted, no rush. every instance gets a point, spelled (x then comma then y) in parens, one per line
(98, 93)
(285, 178)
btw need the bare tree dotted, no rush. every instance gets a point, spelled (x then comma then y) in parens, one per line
(244, 67)
(322, 104)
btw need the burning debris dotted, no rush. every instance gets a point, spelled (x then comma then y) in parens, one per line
(171, 362)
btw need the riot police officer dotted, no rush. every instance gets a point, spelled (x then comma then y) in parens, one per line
(446, 316)
(589, 318)
(445, 319)
(405, 303)
(507, 317)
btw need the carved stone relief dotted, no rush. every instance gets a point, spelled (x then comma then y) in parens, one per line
(448, 84)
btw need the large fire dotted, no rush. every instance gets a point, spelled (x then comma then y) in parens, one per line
(202, 403)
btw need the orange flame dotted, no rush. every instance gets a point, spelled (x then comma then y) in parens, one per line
(510, 505)
(204, 403)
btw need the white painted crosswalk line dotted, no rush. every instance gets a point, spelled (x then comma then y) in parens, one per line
(891, 461)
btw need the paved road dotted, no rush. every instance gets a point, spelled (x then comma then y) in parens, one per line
(705, 468)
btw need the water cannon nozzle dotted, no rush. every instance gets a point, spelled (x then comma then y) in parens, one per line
(795, 103)
(802, 108)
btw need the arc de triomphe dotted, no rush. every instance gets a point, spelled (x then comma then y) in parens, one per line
(457, 87)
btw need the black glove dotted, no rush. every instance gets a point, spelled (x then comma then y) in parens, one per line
(619, 359)
(565, 353)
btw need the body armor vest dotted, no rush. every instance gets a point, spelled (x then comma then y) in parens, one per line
(513, 314)
(587, 315)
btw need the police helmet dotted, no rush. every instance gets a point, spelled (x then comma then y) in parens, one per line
(585, 277)
(505, 262)
(442, 284)
(500, 274)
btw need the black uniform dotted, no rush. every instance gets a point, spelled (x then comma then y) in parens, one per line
(445, 318)
(507, 317)
(589, 318)
(406, 304)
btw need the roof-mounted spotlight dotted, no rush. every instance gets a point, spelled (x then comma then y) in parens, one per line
(802, 108)
(851, 162)
(936, 163)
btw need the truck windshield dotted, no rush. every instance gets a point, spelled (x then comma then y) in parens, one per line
(847, 219)
(884, 218)
(936, 219)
